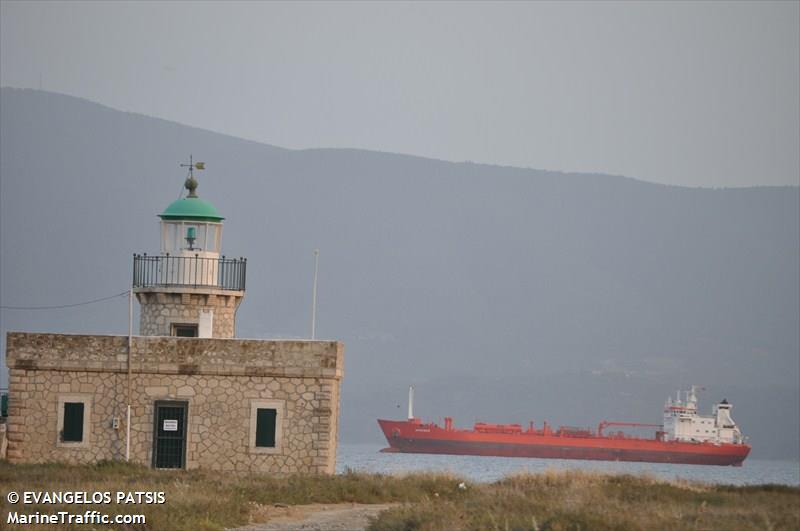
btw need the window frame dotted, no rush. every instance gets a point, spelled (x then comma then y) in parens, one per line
(173, 329)
(84, 399)
(280, 407)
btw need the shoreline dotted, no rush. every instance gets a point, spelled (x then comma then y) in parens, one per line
(366, 457)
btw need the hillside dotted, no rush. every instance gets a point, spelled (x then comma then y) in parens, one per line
(503, 294)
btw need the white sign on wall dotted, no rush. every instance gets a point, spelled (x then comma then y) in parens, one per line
(206, 325)
(170, 425)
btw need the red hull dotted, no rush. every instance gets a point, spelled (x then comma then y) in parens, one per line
(415, 437)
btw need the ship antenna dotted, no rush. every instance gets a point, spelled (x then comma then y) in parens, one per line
(410, 402)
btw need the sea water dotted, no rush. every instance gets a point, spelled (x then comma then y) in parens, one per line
(368, 458)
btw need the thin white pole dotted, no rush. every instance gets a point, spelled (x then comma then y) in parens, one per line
(411, 402)
(130, 349)
(314, 297)
(128, 434)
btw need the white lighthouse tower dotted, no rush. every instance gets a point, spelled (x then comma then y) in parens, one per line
(190, 289)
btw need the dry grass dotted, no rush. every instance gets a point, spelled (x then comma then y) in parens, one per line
(201, 500)
(593, 501)
(198, 500)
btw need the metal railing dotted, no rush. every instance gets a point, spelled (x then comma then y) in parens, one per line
(189, 272)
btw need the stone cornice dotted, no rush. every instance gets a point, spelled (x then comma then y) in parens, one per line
(172, 355)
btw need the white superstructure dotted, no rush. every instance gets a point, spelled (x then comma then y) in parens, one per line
(682, 423)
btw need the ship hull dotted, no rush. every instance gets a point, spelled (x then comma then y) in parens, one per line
(414, 437)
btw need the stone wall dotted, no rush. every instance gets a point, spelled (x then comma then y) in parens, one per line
(218, 378)
(160, 308)
(3, 440)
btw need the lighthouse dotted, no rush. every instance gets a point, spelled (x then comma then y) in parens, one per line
(190, 289)
(184, 393)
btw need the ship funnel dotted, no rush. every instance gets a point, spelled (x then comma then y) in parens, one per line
(411, 402)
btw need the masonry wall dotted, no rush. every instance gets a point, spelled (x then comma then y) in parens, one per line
(161, 307)
(219, 378)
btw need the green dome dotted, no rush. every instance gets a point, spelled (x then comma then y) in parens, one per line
(192, 208)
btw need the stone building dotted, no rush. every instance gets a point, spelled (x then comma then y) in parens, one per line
(195, 395)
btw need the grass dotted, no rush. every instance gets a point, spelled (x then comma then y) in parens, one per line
(204, 500)
(592, 501)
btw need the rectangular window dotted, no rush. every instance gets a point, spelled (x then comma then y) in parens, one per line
(265, 427)
(201, 236)
(73, 422)
(212, 243)
(194, 237)
(184, 330)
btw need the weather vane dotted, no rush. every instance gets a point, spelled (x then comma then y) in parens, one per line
(191, 182)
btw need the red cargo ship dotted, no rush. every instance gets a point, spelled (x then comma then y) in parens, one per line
(685, 437)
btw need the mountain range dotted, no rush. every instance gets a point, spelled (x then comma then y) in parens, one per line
(502, 294)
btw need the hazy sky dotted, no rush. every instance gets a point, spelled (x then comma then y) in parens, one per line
(698, 94)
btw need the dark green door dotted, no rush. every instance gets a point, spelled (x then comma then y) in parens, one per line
(169, 434)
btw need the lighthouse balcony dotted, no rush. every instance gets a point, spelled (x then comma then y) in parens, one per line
(165, 271)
